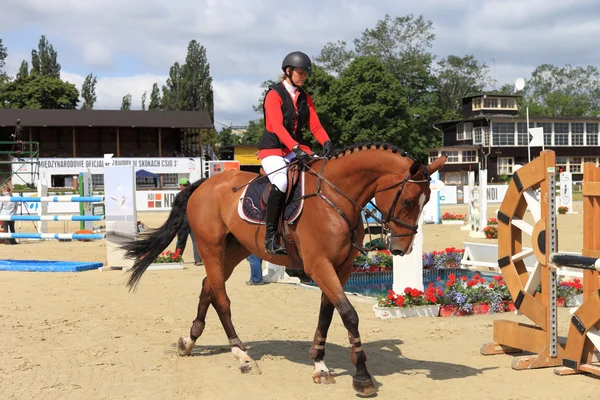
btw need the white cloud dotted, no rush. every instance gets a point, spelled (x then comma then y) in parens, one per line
(130, 45)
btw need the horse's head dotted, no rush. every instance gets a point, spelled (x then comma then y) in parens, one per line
(401, 204)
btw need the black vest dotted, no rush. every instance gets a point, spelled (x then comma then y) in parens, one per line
(269, 140)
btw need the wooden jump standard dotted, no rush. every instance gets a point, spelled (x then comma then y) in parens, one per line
(576, 354)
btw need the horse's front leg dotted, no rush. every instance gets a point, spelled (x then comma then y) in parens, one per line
(325, 277)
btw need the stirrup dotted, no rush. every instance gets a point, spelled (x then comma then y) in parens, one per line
(272, 247)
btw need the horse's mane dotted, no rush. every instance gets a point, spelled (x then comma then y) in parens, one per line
(367, 146)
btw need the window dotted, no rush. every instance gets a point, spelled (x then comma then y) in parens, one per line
(523, 133)
(477, 103)
(468, 131)
(469, 156)
(591, 134)
(505, 165)
(452, 156)
(477, 135)
(547, 132)
(503, 133)
(575, 165)
(490, 103)
(508, 103)
(460, 131)
(169, 179)
(577, 133)
(561, 133)
(486, 135)
(433, 155)
(97, 180)
(561, 164)
(590, 160)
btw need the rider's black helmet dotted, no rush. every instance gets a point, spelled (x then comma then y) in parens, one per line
(297, 59)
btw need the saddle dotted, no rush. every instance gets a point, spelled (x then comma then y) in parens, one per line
(254, 199)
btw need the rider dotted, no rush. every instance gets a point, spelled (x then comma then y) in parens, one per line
(287, 108)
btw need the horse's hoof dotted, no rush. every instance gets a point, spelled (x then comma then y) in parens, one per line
(182, 349)
(364, 388)
(323, 377)
(250, 368)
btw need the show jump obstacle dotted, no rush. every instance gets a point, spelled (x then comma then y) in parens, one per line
(578, 353)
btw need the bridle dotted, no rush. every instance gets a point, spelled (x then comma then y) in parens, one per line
(385, 222)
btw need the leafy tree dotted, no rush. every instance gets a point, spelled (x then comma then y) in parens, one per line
(458, 77)
(563, 91)
(35, 91)
(144, 100)
(227, 138)
(172, 98)
(126, 104)
(196, 87)
(3, 55)
(155, 98)
(254, 132)
(88, 92)
(335, 57)
(23, 70)
(44, 60)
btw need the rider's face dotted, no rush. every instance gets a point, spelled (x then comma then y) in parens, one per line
(299, 76)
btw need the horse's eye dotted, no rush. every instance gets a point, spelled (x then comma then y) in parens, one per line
(408, 204)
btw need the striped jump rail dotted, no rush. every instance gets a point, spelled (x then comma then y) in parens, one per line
(74, 236)
(51, 217)
(52, 199)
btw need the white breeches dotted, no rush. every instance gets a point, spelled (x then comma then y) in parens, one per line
(279, 164)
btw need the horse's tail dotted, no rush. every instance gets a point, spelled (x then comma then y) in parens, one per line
(153, 243)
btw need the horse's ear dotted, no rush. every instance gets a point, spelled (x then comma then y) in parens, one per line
(437, 164)
(414, 168)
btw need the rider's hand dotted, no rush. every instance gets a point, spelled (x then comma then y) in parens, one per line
(328, 149)
(301, 155)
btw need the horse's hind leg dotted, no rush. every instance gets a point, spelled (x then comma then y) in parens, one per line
(233, 256)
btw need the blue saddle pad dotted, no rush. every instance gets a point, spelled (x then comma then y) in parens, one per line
(254, 210)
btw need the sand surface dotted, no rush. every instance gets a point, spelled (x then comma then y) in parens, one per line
(84, 336)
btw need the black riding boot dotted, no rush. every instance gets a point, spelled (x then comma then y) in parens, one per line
(274, 208)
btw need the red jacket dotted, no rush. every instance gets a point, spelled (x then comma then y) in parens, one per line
(274, 123)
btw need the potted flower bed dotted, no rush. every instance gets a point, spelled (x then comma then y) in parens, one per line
(453, 219)
(412, 303)
(168, 260)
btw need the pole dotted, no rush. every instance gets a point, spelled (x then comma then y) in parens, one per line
(528, 140)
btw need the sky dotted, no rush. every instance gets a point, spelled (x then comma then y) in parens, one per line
(129, 45)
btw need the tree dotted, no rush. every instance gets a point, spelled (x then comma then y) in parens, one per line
(155, 98)
(35, 91)
(144, 100)
(227, 138)
(254, 132)
(88, 92)
(126, 104)
(44, 60)
(563, 91)
(3, 55)
(23, 70)
(458, 77)
(172, 97)
(335, 57)
(196, 88)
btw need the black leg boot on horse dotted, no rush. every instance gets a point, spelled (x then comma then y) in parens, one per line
(274, 211)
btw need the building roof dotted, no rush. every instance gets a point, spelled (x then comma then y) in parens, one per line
(105, 118)
(491, 94)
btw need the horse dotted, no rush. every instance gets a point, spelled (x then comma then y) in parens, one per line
(324, 239)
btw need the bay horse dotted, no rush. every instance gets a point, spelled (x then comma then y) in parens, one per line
(327, 235)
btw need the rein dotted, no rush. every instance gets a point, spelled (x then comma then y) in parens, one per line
(385, 223)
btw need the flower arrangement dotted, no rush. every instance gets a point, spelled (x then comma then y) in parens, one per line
(169, 257)
(491, 232)
(380, 261)
(566, 289)
(453, 216)
(450, 257)
(411, 297)
(563, 209)
(492, 221)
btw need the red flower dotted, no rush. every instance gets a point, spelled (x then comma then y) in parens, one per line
(400, 301)
(463, 278)
(439, 278)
